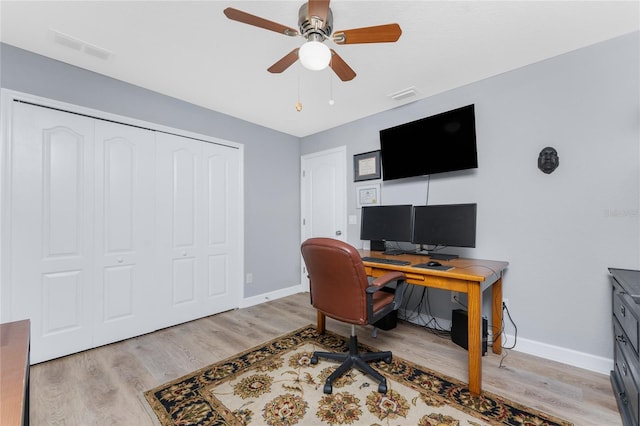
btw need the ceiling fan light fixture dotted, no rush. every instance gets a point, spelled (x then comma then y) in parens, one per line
(314, 55)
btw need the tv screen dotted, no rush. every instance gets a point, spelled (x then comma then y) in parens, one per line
(441, 143)
(387, 223)
(451, 225)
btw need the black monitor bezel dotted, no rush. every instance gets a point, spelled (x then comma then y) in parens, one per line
(407, 233)
(469, 240)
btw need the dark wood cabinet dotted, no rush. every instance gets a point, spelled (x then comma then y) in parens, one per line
(625, 376)
(14, 373)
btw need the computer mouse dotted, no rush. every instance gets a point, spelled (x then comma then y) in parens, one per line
(434, 263)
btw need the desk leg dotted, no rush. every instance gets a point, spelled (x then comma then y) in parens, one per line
(321, 327)
(496, 312)
(474, 334)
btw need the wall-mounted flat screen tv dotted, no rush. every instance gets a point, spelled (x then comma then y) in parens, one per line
(440, 143)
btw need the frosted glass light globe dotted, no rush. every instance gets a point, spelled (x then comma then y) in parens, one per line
(314, 55)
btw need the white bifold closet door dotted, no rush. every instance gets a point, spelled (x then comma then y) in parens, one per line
(197, 228)
(51, 229)
(123, 232)
(115, 230)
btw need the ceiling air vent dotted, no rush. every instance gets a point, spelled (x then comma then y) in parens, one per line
(79, 45)
(404, 94)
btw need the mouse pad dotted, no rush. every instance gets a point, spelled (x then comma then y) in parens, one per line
(437, 268)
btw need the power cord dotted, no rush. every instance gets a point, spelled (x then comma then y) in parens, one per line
(422, 307)
(515, 335)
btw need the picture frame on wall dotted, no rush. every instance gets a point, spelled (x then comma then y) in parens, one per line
(366, 166)
(367, 195)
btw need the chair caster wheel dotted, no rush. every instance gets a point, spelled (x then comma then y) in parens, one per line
(382, 387)
(387, 360)
(314, 360)
(328, 388)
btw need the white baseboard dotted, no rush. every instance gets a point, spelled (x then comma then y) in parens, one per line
(265, 297)
(543, 350)
(566, 356)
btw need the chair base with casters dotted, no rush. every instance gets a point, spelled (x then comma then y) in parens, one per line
(354, 359)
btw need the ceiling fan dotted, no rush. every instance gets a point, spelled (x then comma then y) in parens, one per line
(315, 23)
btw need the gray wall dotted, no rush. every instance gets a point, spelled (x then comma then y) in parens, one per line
(272, 217)
(561, 231)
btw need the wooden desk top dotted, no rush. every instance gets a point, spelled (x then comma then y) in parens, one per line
(14, 361)
(466, 269)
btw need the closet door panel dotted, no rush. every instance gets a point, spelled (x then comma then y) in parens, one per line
(198, 227)
(224, 274)
(180, 202)
(185, 199)
(50, 211)
(183, 283)
(124, 232)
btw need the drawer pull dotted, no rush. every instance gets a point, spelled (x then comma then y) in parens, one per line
(623, 397)
(620, 338)
(623, 311)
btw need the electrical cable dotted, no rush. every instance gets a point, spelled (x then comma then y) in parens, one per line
(515, 341)
(426, 202)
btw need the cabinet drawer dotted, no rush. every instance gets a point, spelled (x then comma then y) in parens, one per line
(623, 312)
(626, 366)
(621, 337)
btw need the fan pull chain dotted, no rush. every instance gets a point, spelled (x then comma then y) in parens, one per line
(298, 104)
(331, 101)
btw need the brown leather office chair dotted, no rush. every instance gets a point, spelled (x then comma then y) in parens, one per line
(341, 290)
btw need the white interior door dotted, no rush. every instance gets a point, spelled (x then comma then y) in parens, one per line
(50, 226)
(323, 197)
(124, 232)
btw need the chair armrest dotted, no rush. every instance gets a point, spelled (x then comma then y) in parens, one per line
(382, 281)
(380, 284)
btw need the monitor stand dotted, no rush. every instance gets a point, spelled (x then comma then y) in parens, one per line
(393, 252)
(435, 255)
(377, 245)
(443, 256)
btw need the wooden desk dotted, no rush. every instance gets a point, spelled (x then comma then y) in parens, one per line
(471, 276)
(14, 373)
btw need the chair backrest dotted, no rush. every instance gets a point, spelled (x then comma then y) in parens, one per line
(337, 279)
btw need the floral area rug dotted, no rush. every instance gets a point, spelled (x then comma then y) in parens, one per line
(275, 384)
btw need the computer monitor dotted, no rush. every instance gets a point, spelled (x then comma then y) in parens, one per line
(450, 225)
(386, 223)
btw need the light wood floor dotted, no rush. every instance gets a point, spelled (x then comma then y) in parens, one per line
(105, 386)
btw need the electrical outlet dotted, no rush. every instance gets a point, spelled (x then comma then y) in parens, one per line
(454, 297)
(249, 278)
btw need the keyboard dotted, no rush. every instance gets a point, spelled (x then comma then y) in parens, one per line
(385, 261)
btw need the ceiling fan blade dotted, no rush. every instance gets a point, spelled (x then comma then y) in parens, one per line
(319, 8)
(378, 34)
(285, 62)
(340, 67)
(256, 21)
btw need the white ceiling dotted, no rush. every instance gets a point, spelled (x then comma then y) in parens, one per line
(191, 51)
